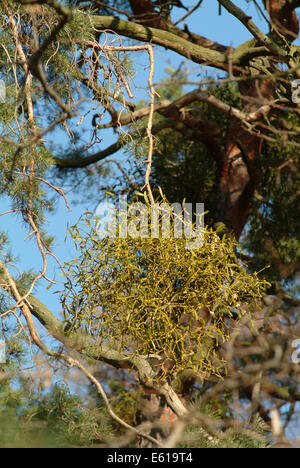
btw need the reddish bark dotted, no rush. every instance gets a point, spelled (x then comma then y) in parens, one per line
(240, 175)
(145, 13)
(283, 17)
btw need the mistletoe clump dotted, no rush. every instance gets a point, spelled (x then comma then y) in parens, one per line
(155, 297)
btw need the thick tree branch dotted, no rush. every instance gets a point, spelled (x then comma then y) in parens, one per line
(134, 116)
(165, 39)
(185, 47)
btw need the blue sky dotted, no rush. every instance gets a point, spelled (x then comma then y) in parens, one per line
(225, 29)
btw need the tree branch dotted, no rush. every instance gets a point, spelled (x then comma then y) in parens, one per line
(251, 26)
(165, 39)
(145, 14)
